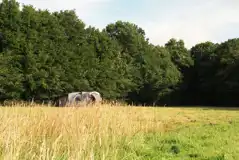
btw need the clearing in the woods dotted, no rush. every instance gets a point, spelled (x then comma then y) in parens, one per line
(119, 133)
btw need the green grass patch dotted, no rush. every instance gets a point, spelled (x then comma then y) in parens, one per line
(200, 142)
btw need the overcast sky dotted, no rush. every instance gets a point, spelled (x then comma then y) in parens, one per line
(193, 21)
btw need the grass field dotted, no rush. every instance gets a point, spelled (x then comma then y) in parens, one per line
(118, 133)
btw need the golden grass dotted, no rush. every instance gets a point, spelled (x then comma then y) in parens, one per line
(49, 132)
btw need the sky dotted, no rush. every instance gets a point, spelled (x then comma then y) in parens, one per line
(193, 21)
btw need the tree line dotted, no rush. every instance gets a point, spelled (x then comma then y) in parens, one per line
(46, 54)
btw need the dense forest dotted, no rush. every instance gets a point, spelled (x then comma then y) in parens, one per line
(46, 54)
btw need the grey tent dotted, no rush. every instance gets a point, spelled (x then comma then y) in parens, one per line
(83, 98)
(95, 96)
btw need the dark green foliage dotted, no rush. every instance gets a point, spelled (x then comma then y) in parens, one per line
(204, 71)
(11, 76)
(44, 55)
(180, 56)
(215, 77)
(226, 77)
(153, 72)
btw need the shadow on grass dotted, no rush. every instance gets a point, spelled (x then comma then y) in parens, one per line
(196, 107)
(209, 108)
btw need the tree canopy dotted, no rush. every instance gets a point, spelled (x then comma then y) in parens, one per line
(46, 54)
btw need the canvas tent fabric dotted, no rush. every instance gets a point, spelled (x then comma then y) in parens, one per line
(84, 97)
(72, 96)
(96, 95)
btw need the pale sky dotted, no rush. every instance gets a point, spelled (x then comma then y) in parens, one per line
(194, 21)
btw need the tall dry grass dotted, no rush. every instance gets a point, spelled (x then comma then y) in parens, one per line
(95, 132)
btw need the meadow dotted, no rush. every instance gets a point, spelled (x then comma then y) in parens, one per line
(109, 132)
